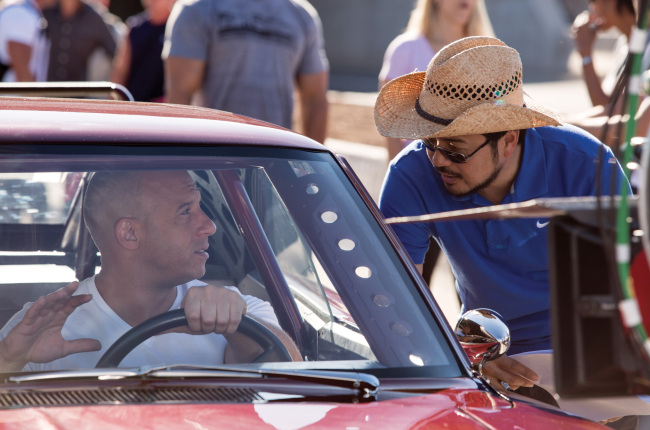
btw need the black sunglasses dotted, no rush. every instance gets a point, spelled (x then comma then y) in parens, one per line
(454, 157)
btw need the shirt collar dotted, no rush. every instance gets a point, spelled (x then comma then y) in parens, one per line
(532, 179)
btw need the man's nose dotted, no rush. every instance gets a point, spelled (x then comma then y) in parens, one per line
(438, 159)
(207, 227)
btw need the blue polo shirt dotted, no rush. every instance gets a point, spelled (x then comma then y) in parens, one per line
(498, 264)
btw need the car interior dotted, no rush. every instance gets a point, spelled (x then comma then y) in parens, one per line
(314, 258)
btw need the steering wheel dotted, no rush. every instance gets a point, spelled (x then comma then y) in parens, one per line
(274, 350)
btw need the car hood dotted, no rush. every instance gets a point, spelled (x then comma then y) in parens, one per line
(446, 409)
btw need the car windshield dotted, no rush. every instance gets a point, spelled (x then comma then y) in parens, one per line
(291, 230)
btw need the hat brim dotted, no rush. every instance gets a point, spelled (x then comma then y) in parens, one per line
(395, 114)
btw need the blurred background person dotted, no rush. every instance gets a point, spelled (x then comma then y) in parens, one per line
(24, 43)
(247, 57)
(432, 25)
(605, 120)
(76, 29)
(138, 63)
(603, 15)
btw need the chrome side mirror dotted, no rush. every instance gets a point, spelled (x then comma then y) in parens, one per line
(483, 335)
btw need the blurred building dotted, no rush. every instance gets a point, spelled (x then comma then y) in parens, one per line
(357, 33)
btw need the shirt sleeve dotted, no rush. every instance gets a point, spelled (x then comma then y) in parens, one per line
(186, 34)
(401, 197)
(258, 308)
(18, 25)
(314, 59)
(610, 166)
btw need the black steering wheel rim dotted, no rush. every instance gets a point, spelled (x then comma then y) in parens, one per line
(273, 347)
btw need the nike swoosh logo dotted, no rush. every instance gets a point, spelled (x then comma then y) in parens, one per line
(542, 224)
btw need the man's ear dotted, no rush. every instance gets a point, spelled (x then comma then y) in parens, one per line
(126, 233)
(510, 138)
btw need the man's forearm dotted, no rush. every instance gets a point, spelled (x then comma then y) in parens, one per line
(312, 92)
(183, 77)
(175, 95)
(315, 119)
(242, 349)
(19, 57)
(594, 88)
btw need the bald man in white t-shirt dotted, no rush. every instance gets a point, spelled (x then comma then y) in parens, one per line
(153, 240)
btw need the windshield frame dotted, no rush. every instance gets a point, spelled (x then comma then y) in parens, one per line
(48, 157)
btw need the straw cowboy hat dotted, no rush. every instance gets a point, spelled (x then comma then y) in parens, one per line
(471, 86)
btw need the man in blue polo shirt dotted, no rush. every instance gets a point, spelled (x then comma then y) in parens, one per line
(483, 142)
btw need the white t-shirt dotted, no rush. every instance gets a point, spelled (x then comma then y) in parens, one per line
(97, 320)
(21, 21)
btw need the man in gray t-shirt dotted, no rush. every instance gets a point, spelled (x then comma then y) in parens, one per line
(247, 57)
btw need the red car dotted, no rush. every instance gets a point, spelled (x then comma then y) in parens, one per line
(294, 228)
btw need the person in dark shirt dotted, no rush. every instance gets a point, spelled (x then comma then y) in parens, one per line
(138, 64)
(76, 29)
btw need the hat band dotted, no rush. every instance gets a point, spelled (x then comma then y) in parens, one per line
(426, 115)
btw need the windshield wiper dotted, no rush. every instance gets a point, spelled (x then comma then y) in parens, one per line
(364, 384)
(133, 372)
(101, 374)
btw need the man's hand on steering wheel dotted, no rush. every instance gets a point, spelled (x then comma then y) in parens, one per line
(212, 309)
(274, 348)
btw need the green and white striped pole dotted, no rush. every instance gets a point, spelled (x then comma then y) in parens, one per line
(629, 307)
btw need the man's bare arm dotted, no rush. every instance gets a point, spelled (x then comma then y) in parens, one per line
(242, 349)
(616, 124)
(584, 34)
(216, 309)
(420, 267)
(312, 93)
(122, 61)
(19, 56)
(183, 78)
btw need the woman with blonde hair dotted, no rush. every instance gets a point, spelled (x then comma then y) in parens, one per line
(433, 24)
